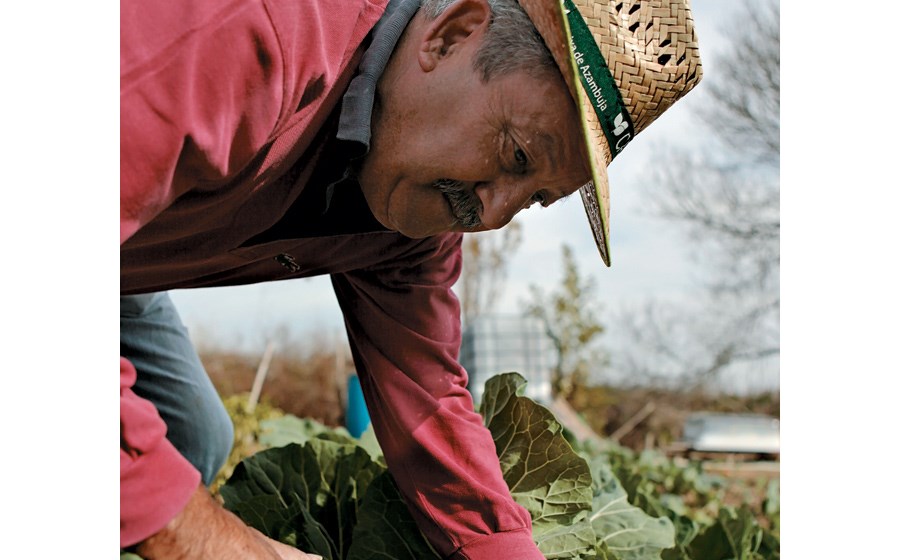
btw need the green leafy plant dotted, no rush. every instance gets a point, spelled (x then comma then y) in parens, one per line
(325, 492)
(248, 425)
(306, 493)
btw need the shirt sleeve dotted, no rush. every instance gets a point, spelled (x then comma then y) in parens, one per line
(403, 322)
(155, 481)
(200, 92)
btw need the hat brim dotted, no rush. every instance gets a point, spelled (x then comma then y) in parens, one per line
(551, 23)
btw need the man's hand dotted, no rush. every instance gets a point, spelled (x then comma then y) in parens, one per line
(204, 529)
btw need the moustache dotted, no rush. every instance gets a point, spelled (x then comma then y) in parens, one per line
(464, 205)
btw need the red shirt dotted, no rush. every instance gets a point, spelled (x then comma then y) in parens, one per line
(228, 112)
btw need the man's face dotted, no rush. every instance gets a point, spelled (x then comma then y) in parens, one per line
(453, 153)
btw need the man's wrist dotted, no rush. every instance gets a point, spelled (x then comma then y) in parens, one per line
(184, 536)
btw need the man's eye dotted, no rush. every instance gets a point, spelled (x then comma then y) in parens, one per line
(521, 158)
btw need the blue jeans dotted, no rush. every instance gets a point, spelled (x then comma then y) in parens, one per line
(171, 376)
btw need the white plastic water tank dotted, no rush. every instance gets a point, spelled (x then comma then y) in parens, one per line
(495, 344)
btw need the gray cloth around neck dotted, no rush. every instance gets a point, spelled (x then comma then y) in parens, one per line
(356, 113)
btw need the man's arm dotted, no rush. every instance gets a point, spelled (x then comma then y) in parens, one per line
(188, 115)
(164, 507)
(403, 321)
(203, 529)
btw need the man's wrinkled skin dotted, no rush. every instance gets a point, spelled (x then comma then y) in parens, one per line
(204, 529)
(508, 143)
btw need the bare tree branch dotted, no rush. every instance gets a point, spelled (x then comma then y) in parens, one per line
(743, 109)
(726, 199)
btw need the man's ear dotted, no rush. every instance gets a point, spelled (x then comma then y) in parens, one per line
(461, 21)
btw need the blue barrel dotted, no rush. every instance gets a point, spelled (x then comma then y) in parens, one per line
(357, 417)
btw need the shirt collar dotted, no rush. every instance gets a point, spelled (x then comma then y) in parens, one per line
(356, 112)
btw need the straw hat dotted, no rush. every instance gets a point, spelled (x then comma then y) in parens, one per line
(625, 62)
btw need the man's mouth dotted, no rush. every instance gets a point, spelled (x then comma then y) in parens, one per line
(464, 205)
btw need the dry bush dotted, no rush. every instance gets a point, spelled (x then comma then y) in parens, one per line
(308, 386)
(230, 372)
(306, 378)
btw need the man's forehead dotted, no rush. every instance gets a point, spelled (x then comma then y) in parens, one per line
(545, 143)
(545, 127)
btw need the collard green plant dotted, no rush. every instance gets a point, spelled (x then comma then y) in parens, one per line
(386, 530)
(278, 432)
(303, 495)
(543, 472)
(735, 536)
(306, 494)
(327, 493)
(628, 532)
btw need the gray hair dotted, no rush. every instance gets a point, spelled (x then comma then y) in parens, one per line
(511, 44)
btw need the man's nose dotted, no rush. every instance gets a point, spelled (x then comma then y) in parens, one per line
(501, 201)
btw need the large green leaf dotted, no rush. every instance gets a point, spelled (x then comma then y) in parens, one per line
(543, 472)
(349, 483)
(278, 432)
(629, 532)
(369, 442)
(570, 542)
(303, 495)
(385, 529)
(271, 491)
(286, 475)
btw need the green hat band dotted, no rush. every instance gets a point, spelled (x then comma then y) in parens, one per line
(599, 84)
